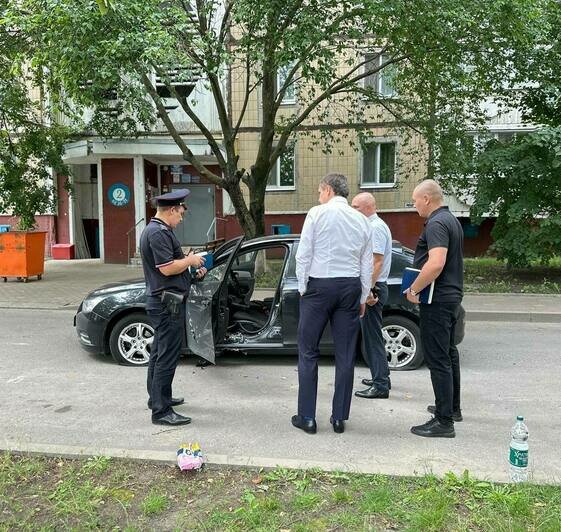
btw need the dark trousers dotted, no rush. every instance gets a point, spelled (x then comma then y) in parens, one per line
(438, 324)
(374, 349)
(336, 300)
(164, 356)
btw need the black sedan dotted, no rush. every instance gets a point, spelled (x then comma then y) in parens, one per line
(247, 303)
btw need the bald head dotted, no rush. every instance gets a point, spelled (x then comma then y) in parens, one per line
(427, 197)
(431, 188)
(364, 203)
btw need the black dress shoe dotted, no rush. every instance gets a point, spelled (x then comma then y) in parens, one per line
(370, 382)
(307, 425)
(173, 418)
(434, 429)
(372, 393)
(338, 425)
(175, 401)
(456, 415)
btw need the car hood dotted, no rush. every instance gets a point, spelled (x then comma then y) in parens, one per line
(110, 288)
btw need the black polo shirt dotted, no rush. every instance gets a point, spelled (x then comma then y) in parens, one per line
(158, 247)
(443, 230)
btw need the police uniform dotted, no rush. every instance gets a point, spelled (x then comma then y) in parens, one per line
(165, 306)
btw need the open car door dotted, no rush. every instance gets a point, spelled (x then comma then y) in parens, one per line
(199, 309)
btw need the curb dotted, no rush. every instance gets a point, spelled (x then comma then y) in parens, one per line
(406, 468)
(212, 461)
(513, 316)
(438, 467)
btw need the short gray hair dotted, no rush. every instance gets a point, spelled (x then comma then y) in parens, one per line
(338, 182)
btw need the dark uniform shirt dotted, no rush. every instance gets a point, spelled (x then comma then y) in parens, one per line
(443, 230)
(158, 247)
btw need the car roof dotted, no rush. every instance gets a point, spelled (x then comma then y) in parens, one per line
(296, 236)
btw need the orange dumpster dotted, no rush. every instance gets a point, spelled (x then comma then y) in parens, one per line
(22, 254)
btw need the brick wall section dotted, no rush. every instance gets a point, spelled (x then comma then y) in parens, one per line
(117, 220)
(62, 219)
(405, 227)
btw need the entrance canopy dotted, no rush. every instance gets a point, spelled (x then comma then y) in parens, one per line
(156, 149)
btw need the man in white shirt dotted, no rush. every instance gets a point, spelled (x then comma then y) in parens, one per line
(334, 271)
(373, 341)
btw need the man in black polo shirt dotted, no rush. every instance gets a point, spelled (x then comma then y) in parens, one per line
(166, 270)
(439, 256)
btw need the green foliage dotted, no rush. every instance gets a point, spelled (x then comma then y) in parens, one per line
(30, 149)
(443, 57)
(491, 275)
(154, 503)
(519, 183)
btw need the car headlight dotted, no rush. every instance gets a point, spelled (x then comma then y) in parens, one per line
(91, 302)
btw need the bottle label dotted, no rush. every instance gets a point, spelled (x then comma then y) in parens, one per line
(518, 457)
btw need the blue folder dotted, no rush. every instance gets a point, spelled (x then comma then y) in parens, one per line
(409, 275)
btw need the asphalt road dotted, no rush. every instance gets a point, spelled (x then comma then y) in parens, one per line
(54, 396)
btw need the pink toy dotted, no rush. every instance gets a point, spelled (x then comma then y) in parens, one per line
(189, 456)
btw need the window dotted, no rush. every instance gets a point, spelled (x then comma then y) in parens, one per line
(381, 80)
(282, 74)
(378, 164)
(282, 174)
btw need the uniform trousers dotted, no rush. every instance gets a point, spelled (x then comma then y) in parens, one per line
(438, 325)
(335, 300)
(164, 355)
(374, 348)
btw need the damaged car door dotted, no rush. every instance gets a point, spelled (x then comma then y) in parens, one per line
(207, 306)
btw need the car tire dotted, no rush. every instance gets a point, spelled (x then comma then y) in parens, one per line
(131, 339)
(403, 342)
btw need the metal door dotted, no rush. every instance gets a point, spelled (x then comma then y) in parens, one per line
(199, 216)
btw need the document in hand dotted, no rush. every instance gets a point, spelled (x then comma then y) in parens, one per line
(209, 259)
(409, 275)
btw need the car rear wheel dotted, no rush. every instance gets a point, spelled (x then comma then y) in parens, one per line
(131, 340)
(403, 342)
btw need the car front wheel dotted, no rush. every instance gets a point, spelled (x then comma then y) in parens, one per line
(131, 340)
(403, 342)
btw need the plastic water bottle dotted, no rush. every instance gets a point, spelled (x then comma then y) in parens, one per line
(518, 456)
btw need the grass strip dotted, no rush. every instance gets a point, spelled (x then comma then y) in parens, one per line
(53, 494)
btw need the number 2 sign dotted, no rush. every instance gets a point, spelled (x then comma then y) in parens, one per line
(119, 194)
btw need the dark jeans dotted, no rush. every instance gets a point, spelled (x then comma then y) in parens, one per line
(164, 356)
(373, 344)
(438, 323)
(336, 300)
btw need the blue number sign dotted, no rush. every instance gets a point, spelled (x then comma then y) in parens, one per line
(119, 194)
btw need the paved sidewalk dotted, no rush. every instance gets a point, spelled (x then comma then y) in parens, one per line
(66, 282)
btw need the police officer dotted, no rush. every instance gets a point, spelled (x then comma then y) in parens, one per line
(166, 270)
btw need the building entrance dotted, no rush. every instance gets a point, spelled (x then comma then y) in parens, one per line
(199, 216)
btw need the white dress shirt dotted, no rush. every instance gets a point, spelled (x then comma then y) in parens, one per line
(336, 241)
(382, 245)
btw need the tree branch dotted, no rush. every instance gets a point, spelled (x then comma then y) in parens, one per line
(187, 153)
(193, 116)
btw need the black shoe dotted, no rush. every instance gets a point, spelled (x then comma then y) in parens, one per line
(434, 429)
(456, 415)
(338, 425)
(175, 401)
(370, 382)
(173, 418)
(373, 393)
(307, 425)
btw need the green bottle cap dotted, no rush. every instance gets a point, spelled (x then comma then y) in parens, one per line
(519, 418)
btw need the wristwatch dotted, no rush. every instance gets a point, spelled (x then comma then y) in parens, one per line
(414, 293)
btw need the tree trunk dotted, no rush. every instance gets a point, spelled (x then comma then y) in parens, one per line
(244, 216)
(259, 177)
